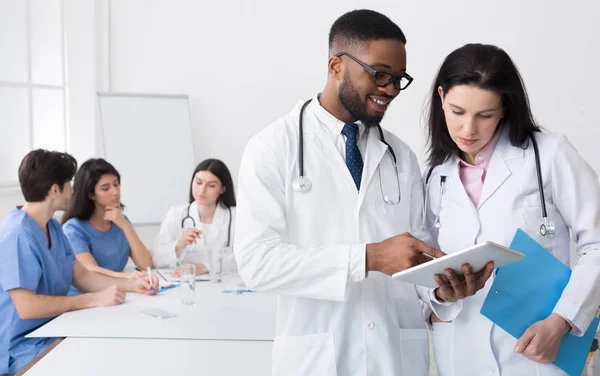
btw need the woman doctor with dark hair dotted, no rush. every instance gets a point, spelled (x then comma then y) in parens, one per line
(486, 153)
(208, 220)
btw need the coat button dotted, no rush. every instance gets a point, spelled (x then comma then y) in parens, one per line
(371, 325)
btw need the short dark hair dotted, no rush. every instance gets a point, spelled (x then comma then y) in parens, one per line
(220, 170)
(89, 174)
(40, 169)
(487, 67)
(359, 26)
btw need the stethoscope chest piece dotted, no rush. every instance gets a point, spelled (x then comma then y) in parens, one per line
(547, 229)
(301, 184)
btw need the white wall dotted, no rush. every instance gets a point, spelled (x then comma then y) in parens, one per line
(10, 197)
(245, 63)
(80, 55)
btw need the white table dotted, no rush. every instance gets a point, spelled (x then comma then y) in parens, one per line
(155, 357)
(215, 316)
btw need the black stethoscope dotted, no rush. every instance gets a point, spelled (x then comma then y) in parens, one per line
(547, 228)
(303, 184)
(194, 222)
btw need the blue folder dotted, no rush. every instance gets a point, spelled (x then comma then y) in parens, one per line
(527, 291)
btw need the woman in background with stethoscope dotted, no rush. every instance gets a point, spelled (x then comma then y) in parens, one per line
(206, 222)
(495, 171)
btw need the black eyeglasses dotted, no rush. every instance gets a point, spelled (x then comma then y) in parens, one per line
(382, 79)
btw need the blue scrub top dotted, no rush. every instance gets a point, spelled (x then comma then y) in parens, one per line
(27, 262)
(110, 249)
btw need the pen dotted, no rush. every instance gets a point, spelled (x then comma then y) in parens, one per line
(168, 287)
(150, 279)
(161, 275)
(427, 255)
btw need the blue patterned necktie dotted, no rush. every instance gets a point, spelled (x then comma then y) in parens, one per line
(353, 158)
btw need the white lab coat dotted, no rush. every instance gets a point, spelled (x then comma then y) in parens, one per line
(298, 245)
(471, 344)
(215, 235)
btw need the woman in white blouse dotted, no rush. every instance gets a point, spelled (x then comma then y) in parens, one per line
(206, 222)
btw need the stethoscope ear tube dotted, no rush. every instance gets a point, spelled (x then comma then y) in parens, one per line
(303, 184)
(547, 228)
(188, 216)
(301, 140)
(539, 176)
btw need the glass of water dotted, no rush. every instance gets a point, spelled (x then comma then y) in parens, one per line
(215, 264)
(188, 283)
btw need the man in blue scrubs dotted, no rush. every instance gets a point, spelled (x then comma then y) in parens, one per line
(37, 265)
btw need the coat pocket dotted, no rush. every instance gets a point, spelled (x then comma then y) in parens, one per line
(443, 351)
(414, 352)
(304, 355)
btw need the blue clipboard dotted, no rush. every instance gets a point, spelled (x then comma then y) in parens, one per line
(527, 291)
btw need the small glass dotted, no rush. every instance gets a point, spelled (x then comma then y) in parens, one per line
(188, 284)
(215, 264)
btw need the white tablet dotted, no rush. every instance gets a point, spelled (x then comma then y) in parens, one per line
(477, 256)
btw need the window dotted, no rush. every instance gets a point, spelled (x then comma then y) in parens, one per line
(32, 81)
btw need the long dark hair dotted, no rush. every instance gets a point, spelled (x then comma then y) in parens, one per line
(220, 170)
(81, 205)
(487, 67)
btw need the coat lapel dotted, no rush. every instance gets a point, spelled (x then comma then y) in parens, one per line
(373, 155)
(498, 170)
(316, 138)
(194, 214)
(454, 189)
(218, 219)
